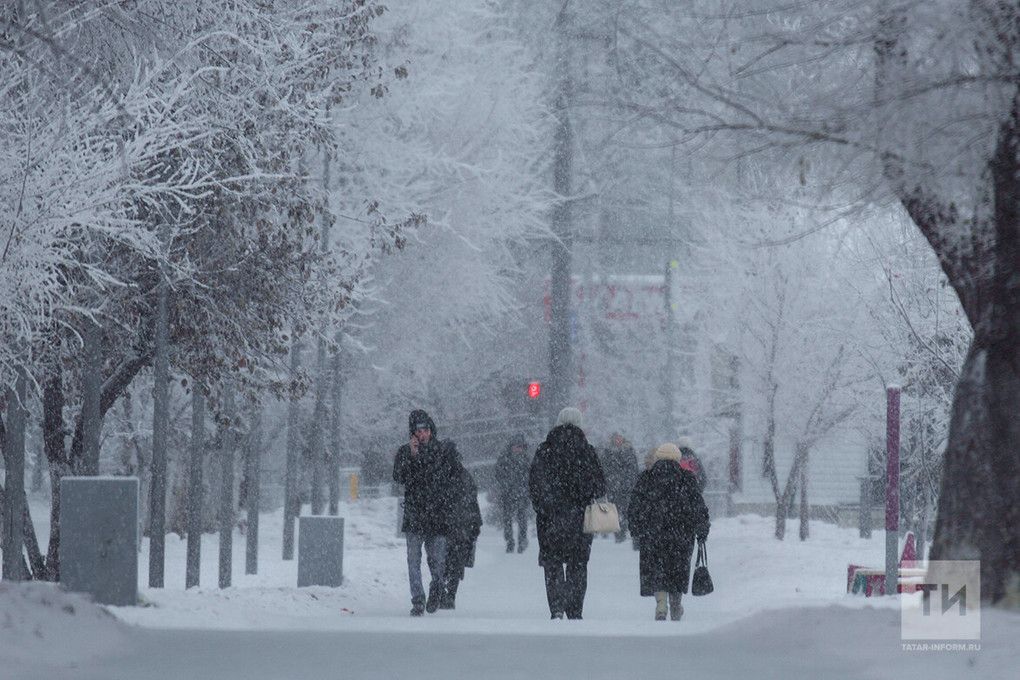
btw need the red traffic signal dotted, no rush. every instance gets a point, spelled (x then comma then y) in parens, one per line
(534, 390)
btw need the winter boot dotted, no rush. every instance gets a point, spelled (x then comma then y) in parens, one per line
(417, 607)
(509, 547)
(660, 605)
(435, 596)
(522, 545)
(676, 610)
(448, 601)
(557, 615)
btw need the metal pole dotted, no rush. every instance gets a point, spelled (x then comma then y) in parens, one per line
(892, 489)
(194, 555)
(227, 489)
(160, 429)
(560, 350)
(669, 395)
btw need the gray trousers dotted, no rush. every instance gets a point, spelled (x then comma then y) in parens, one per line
(435, 552)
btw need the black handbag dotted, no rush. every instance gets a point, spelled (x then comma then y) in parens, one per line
(702, 581)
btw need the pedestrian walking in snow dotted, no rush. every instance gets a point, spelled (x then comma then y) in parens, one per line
(619, 463)
(512, 490)
(667, 515)
(465, 525)
(689, 461)
(565, 477)
(425, 467)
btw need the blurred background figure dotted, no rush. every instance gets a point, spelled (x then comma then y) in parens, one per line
(619, 464)
(512, 491)
(464, 526)
(690, 462)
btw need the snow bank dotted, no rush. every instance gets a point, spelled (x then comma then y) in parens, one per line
(39, 621)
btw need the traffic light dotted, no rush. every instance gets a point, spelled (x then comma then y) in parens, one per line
(534, 389)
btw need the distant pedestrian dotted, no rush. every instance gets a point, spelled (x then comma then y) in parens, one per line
(565, 477)
(512, 491)
(425, 467)
(619, 463)
(690, 462)
(465, 525)
(667, 515)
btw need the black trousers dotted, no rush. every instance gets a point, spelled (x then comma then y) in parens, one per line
(565, 586)
(519, 513)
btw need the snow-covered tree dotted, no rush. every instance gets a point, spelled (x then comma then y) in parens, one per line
(915, 103)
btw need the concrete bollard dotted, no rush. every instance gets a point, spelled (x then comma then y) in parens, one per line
(320, 551)
(99, 538)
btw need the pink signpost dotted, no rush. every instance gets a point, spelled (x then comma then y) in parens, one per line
(892, 488)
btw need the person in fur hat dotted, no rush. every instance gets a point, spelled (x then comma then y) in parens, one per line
(565, 477)
(667, 515)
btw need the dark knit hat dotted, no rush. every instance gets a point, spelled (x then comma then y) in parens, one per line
(420, 418)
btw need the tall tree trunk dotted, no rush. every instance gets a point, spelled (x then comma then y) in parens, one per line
(804, 508)
(160, 434)
(197, 454)
(253, 487)
(334, 434)
(226, 514)
(53, 446)
(14, 496)
(978, 517)
(978, 514)
(291, 486)
(92, 386)
(318, 439)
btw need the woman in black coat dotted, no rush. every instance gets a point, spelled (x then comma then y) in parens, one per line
(465, 526)
(565, 477)
(667, 515)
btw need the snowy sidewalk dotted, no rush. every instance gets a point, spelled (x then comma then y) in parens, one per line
(502, 593)
(779, 611)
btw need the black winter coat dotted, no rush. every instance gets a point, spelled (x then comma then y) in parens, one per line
(621, 470)
(667, 514)
(427, 478)
(465, 523)
(565, 476)
(512, 479)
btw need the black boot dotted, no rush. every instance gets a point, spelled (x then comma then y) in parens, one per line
(509, 547)
(417, 607)
(435, 596)
(449, 599)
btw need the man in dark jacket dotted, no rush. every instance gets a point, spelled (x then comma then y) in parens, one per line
(619, 462)
(565, 477)
(465, 525)
(667, 515)
(512, 489)
(425, 467)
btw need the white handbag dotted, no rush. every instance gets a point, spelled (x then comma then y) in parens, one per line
(601, 517)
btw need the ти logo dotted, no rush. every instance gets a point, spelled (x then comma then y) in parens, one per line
(960, 598)
(944, 603)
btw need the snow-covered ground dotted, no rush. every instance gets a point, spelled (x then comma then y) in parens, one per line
(779, 610)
